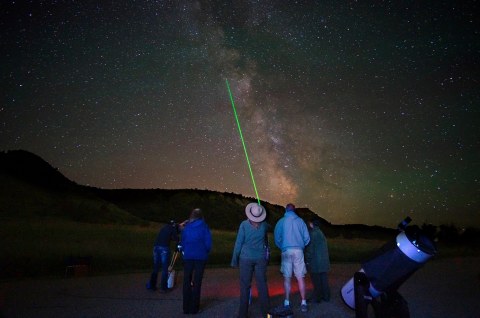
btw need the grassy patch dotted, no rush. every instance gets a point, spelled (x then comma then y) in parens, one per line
(40, 247)
(352, 250)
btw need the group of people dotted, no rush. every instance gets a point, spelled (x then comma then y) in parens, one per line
(302, 248)
(195, 243)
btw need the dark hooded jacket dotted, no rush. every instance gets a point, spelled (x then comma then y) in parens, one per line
(316, 253)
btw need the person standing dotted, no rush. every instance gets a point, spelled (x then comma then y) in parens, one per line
(161, 255)
(318, 262)
(291, 237)
(249, 256)
(196, 243)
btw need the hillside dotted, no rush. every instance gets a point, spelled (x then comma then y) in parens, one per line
(30, 187)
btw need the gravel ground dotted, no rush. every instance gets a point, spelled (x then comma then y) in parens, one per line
(442, 288)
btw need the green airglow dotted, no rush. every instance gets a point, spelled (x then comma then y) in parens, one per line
(243, 141)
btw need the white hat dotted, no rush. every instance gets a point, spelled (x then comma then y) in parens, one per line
(255, 212)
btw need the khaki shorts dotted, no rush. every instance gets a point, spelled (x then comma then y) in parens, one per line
(293, 262)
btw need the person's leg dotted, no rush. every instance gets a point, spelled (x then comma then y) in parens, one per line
(316, 294)
(301, 287)
(246, 273)
(187, 285)
(152, 284)
(299, 269)
(287, 285)
(287, 269)
(199, 268)
(261, 280)
(324, 286)
(165, 256)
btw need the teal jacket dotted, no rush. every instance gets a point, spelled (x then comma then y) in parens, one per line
(291, 232)
(316, 253)
(250, 243)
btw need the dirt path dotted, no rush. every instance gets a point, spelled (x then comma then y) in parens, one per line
(443, 288)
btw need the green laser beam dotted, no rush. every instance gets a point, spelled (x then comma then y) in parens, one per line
(243, 141)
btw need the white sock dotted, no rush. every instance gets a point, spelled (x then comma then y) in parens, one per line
(304, 302)
(286, 302)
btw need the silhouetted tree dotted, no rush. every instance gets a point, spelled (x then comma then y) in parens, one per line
(430, 230)
(448, 233)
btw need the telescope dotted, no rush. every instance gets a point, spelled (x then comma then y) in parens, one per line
(378, 280)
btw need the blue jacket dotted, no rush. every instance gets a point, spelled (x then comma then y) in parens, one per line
(196, 240)
(291, 232)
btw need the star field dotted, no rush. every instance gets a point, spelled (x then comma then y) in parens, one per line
(364, 112)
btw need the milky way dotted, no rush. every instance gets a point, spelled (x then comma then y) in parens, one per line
(363, 112)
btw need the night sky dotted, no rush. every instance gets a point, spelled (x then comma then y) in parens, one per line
(364, 112)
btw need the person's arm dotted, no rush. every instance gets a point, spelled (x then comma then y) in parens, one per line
(305, 234)
(182, 240)
(278, 232)
(238, 246)
(174, 235)
(208, 239)
(309, 252)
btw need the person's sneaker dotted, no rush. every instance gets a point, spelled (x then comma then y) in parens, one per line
(304, 307)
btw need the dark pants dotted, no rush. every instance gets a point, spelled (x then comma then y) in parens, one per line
(192, 285)
(161, 257)
(321, 290)
(248, 267)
